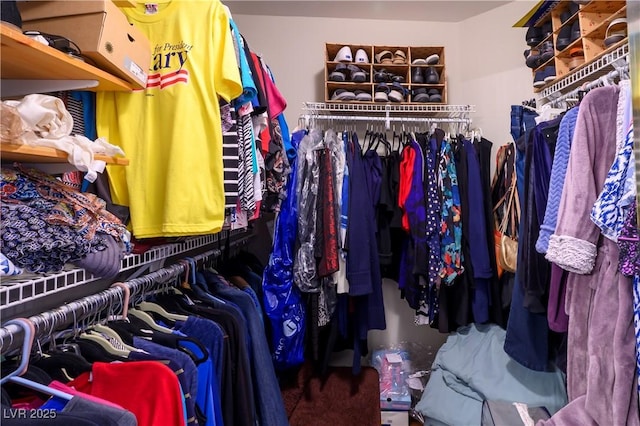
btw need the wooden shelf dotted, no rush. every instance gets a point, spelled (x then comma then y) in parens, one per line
(605, 7)
(26, 59)
(428, 86)
(599, 30)
(43, 154)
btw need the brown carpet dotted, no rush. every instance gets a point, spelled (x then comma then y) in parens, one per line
(341, 399)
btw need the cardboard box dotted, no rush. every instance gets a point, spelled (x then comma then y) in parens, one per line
(101, 31)
(395, 418)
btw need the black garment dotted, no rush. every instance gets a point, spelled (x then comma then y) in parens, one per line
(384, 215)
(497, 313)
(247, 260)
(455, 301)
(17, 391)
(10, 13)
(389, 196)
(101, 188)
(536, 270)
(93, 352)
(62, 365)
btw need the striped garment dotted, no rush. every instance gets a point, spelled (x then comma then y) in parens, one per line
(230, 160)
(246, 191)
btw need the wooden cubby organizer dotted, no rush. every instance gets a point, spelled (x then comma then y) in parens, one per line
(28, 66)
(404, 69)
(594, 18)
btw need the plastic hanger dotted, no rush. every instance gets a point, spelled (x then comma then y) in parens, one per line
(125, 301)
(148, 320)
(105, 344)
(154, 307)
(478, 134)
(106, 337)
(105, 330)
(27, 342)
(14, 377)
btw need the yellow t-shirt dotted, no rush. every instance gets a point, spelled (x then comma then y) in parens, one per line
(171, 131)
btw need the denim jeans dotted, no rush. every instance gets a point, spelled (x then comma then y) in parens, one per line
(522, 121)
(271, 409)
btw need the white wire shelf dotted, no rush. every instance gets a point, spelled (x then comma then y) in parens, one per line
(28, 287)
(321, 107)
(427, 113)
(601, 66)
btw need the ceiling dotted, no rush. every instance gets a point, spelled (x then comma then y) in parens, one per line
(429, 10)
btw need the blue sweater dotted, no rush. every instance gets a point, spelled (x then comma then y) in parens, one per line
(556, 182)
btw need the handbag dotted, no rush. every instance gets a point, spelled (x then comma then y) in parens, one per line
(507, 256)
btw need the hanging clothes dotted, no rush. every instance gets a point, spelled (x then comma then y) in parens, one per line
(363, 268)
(451, 228)
(475, 224)
(556, 312)
(497, 291)
(282, 300)
(602, 299)
(535, 268)
(414, 257)
(527, 339)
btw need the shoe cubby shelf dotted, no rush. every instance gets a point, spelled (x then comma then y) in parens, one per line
(381, 64)
(28, 66)
(600, 66)
(593, 19)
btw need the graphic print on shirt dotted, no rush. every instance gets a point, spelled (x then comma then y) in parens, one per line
(167, 64)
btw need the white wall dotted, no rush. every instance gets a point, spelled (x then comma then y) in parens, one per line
(493, 75)
(485, 68)
(294, 47)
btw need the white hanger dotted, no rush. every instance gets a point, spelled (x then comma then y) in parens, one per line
(148, 320)
(548, 113)
(154, 307)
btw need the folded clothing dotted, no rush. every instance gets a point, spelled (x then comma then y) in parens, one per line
(43, 120)
(31, 243)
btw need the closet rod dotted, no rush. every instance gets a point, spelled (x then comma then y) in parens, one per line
(590, 85)
(74, 312)
(387, 119)
(372, 118)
